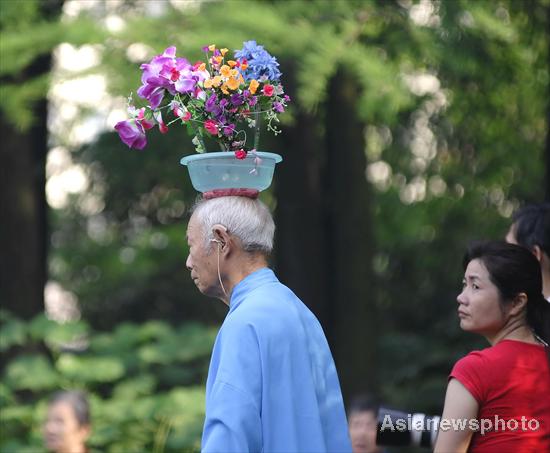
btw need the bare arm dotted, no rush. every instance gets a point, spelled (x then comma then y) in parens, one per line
(459, 405)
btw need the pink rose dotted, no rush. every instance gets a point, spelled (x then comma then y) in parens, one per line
(268, 90)
(240, 154)
(211, 127)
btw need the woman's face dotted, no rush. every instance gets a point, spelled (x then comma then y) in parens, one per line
(62, 431)
(479, 307)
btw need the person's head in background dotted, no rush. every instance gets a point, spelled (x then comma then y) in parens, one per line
(362, 420)
(67, 425)
(531, 229)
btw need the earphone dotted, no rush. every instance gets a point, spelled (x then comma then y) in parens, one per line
(221, 227)
(220, 243)
(220, 246)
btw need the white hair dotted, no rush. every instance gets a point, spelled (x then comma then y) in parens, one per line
(246, 218)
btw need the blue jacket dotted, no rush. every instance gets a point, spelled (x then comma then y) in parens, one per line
(272, 384)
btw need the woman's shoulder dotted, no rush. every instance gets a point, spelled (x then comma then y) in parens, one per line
(505, 350)
(473, 359)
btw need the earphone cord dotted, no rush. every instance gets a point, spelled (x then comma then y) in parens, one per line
(219, 276)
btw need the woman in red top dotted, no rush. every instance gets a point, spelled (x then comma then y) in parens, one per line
(498, 399)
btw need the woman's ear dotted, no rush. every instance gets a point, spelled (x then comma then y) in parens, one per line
(537, 252)
(519, 303)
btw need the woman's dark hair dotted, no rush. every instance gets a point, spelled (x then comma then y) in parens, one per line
(514, 269)
(532, 226)
(78, 402)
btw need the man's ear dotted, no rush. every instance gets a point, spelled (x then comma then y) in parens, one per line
(220, 234)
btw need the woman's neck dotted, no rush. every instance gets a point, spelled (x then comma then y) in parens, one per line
(518, 331)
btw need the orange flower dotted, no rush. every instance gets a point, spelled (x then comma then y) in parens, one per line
(207, 83)
(254, 84)
(225, 71)
(233, 84)
(224, 51)
(212, 47)
(218, 59)
(224, 89)
(216, 81)
(232, 63)
(244, 65)
(202, 67)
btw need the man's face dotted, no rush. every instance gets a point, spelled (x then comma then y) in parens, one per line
(202, 260)
(362, 430)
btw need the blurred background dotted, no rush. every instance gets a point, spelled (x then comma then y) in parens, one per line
(415, 126)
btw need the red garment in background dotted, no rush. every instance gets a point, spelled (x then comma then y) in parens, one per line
(510, 380)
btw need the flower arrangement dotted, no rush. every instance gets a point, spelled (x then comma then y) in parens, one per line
(222, 98)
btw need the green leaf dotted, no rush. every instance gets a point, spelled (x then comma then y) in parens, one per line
(31, 372)
(90, 369)
(13, 333)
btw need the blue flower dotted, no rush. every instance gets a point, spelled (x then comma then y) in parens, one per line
(261, 65)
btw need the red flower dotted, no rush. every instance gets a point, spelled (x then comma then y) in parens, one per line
(240, 154)
(268, 90)
(163, 128)
(211, 127)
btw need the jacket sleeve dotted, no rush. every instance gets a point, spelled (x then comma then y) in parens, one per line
(232, 422)
(233, 403)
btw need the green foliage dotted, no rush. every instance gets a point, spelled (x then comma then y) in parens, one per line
(144, 382)
(31, 30)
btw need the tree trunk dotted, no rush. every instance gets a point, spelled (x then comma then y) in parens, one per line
(301, 243)
(348, 198)
(23, 199)
(23, 227)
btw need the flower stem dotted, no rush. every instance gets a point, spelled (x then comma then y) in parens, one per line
(198, 134)
(257, 128)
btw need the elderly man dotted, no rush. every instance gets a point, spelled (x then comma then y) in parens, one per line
(272, 384)
(531, 229)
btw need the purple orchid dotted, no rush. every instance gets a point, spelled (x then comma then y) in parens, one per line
(237, 99)
(212, 106)
(229, 129)
(132, 133)
(165, 72)
(186, 82)
(278, 107)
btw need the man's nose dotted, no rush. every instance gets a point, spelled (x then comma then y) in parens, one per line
(188, 263)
